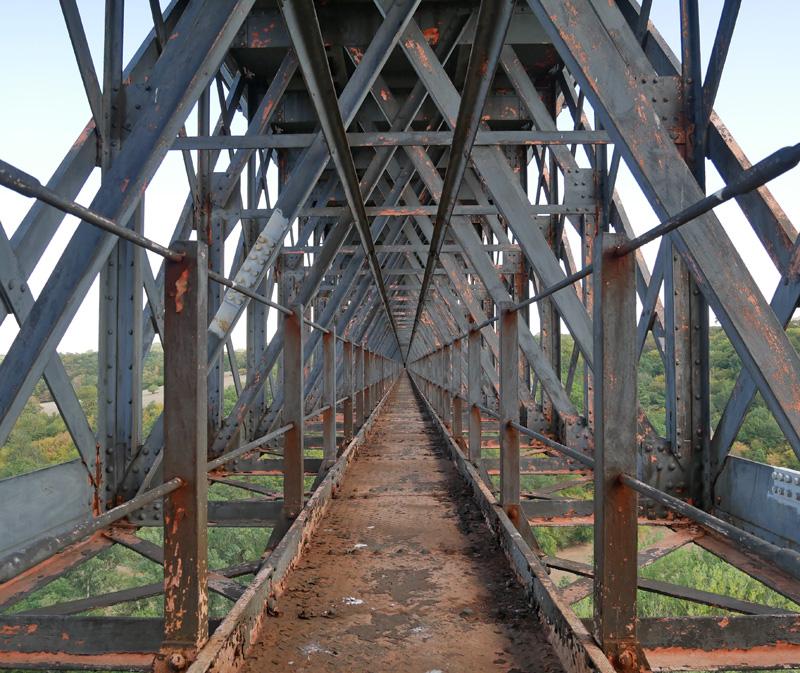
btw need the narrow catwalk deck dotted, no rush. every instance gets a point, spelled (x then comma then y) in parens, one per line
(403, 574)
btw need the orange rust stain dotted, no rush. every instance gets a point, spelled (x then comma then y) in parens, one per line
(84, 136)
(181, 287)
(120, 661)
(97, 505)
(760, 656)
(25, 629)
(423, 59)
(357, 54)
(431, 35)
(125, 184)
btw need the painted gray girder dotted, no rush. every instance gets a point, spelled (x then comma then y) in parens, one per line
(566, 161)
(329, 252)
(225, 189)
(301, 20)
(304, 177)
(774, 230)
(504, 186)
(770, 223)
(494, 17)
(483, 267)
(620, 222)
(348, 30)
(176, 75)
(354, 319)
(471, 244)
(331, 308)
(610, 74)
(311, 284)
(471, 304)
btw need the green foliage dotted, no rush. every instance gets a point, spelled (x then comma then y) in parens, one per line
(759, 439)
(118, 568)
(37, 440)
(695, 568)
(552, 539)
(229, 400)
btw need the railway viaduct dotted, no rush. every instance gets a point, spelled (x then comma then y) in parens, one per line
(411, 209)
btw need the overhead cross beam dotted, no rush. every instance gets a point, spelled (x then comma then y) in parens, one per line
(301, 20)
(494, 18)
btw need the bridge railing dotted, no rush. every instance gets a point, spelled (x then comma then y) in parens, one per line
(615, 461)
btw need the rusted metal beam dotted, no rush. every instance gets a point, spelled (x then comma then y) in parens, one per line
(494, 17)
(348, 391)
(509, 413)
(329, 399)
(563, 629)
(616, 508)
(185, 447)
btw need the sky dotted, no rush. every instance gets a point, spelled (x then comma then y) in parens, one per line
(44, 109)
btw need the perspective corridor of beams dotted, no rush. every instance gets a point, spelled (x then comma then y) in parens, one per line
(385, 185)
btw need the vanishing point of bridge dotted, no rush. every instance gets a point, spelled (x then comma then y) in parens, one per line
(411, 206)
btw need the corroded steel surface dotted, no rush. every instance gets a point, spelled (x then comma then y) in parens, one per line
(403, 574)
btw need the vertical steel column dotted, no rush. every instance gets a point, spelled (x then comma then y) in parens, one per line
(359, 387)
(367, 382)
(329, 397)
(347, 385)
(257, 313)
(474, 393)
(692, 399)
(446, 386)
(457, 406)
(615, 506)
(373, 394)
(115, 354)
(185, 449)
(509, 412)
(372, 382)
(293, 411)
(376, 373)
(438, 381)
(424, 373)
(378, 378)
(432, 378)
(375, 397)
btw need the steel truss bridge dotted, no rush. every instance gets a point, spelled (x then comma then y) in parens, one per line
(425, 216)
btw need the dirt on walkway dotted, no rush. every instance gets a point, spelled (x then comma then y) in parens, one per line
(403, 574)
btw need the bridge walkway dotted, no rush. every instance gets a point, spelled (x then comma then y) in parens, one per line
(403, 574)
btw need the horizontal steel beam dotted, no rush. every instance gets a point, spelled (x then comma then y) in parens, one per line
(404, 211)
(391, 139)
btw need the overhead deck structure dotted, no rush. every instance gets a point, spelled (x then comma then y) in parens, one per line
(445, 191)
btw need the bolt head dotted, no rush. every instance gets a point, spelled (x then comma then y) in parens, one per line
(177, 661)
(626, 660)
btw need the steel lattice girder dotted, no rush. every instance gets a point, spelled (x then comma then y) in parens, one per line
(400, 191)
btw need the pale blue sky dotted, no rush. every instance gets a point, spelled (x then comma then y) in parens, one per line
(44, 108)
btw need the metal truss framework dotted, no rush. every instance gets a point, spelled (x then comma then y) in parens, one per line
(431, 200)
